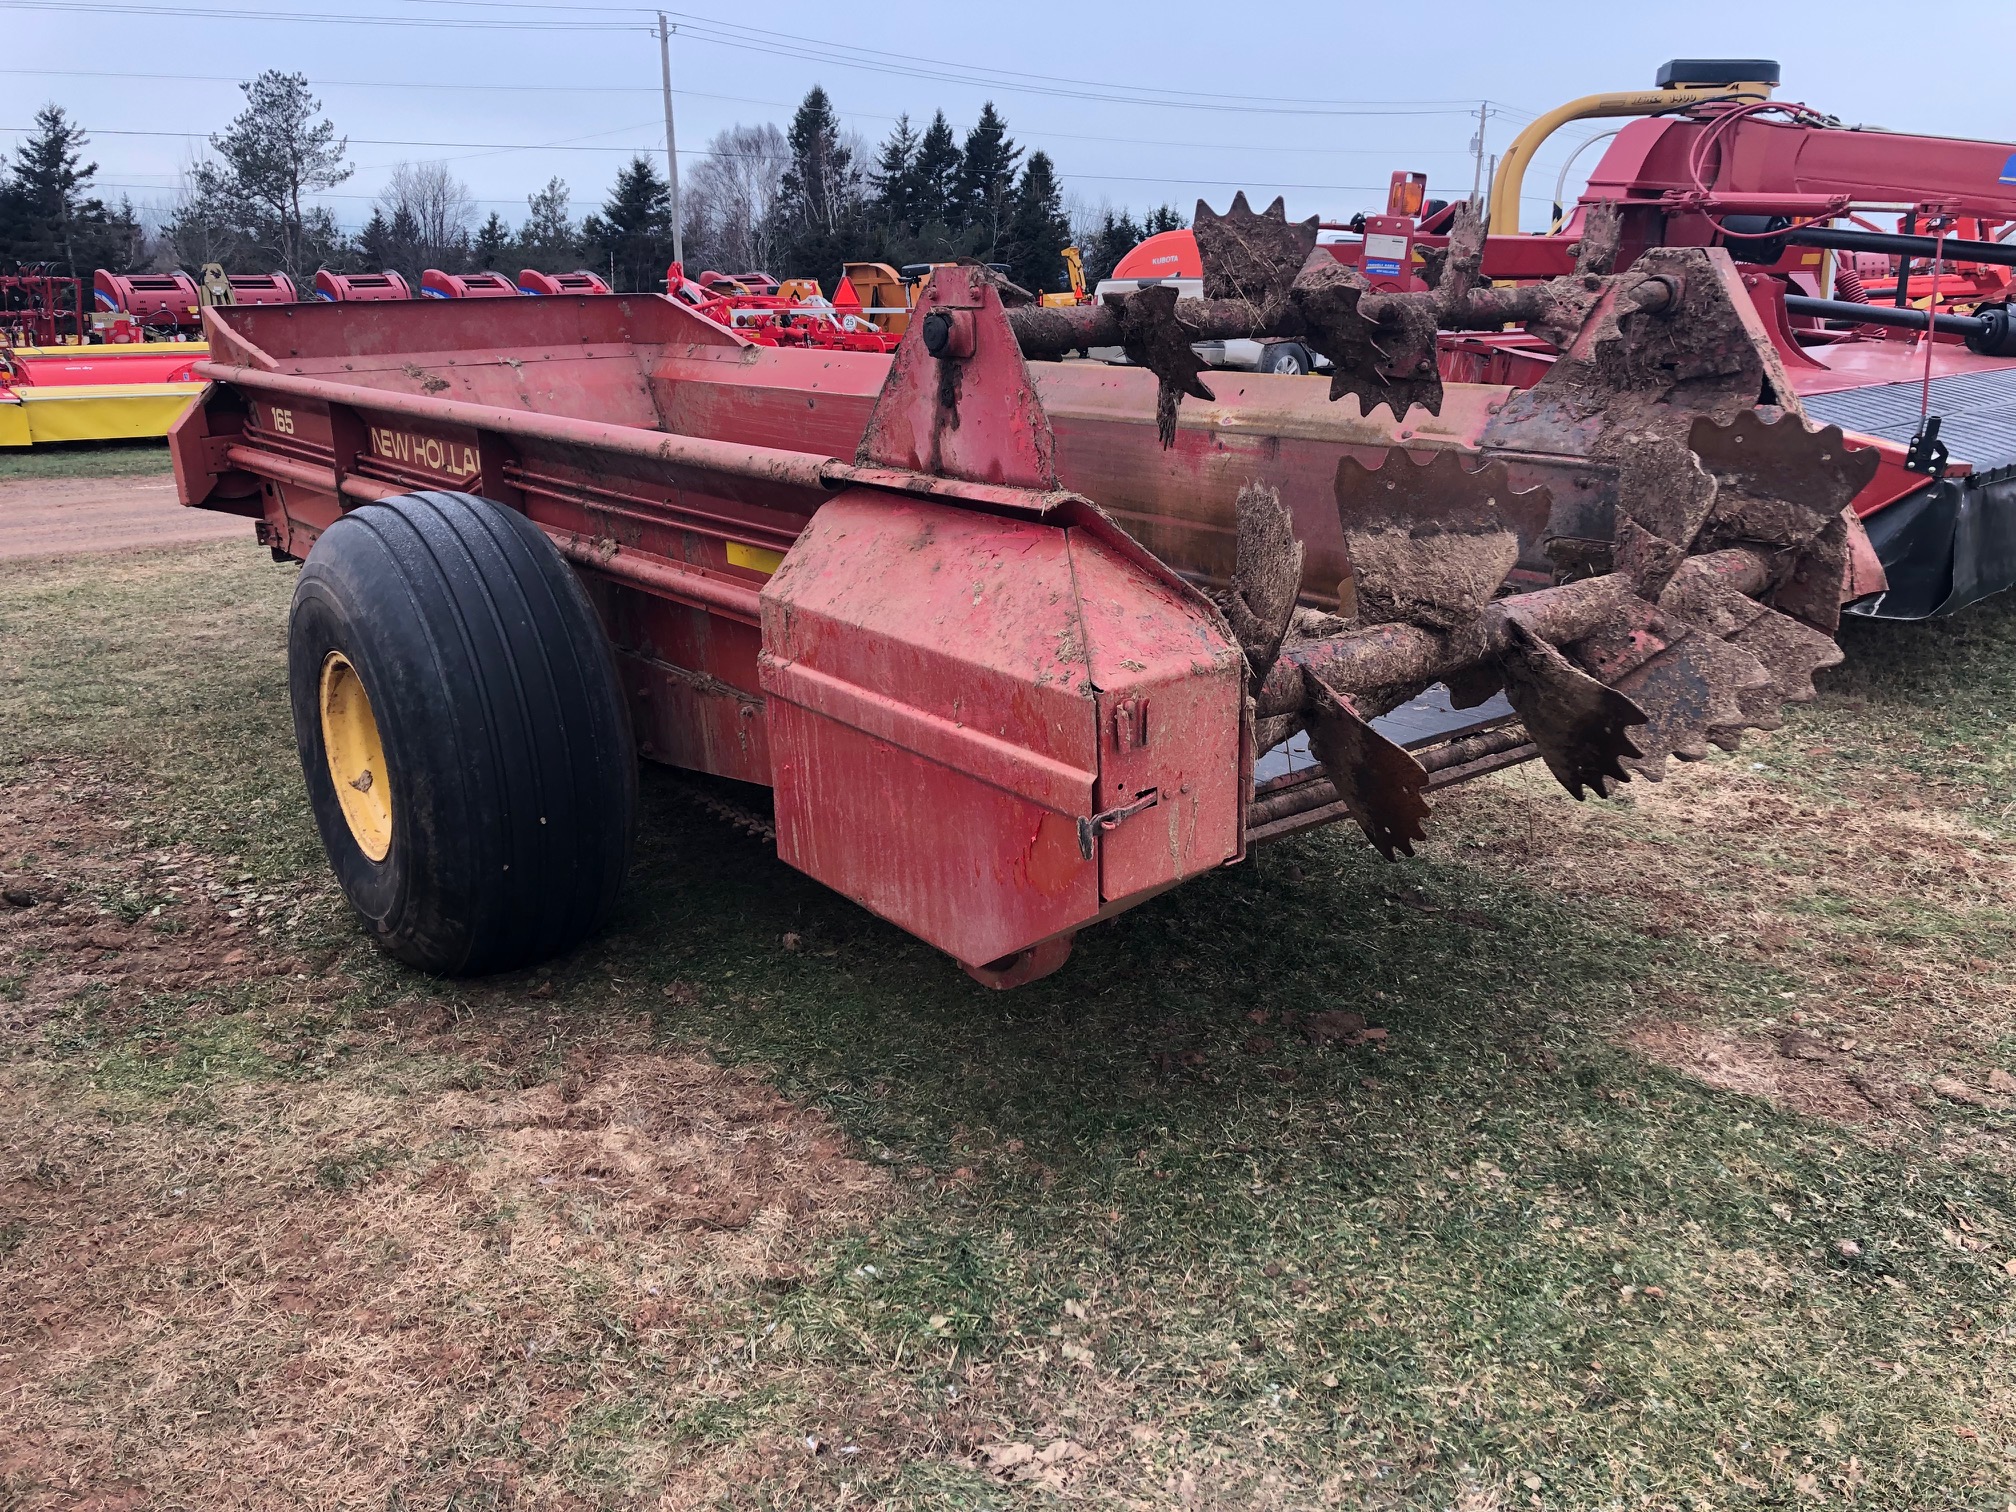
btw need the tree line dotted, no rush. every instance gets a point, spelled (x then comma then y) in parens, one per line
(796, 203)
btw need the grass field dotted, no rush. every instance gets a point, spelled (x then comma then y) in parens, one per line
(85, 459)
(1679, 1178)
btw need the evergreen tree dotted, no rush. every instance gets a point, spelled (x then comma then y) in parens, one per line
(402, 246)
(13, 221)
(277, 154)
(125, 246)
(549, 239)
(493, 240)
(986, 182)
(812, 195)
(633, 234)
(374, 242)
(1038, 229)
(894, 179)
(46, 213)
(934, 195)
(1117, 235)
(819, 198)
(1114, 238)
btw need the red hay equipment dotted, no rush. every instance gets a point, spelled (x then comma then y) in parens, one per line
(165, 302)
(434, 284)
(1007, 640)
(580, 281)
(349, 288)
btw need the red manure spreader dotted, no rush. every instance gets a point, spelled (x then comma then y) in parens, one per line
(1016, 642)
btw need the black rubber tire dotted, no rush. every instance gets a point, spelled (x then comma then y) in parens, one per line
(506, 740)
(1285, 357)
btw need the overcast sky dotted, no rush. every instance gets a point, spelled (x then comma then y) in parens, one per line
(1137, 105)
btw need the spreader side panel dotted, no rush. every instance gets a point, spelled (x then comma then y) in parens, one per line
(932, 725)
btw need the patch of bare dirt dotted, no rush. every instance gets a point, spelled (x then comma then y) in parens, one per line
(341, 1293)
(95, 910)
(62, 516)
(1884, 915)
(1794, 1070)
(478, 1224)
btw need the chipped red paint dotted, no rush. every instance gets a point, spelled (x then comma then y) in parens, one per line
(989, 715)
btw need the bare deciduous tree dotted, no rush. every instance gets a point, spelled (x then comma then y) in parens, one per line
(729, 197)
(439, 206)
(205, 223)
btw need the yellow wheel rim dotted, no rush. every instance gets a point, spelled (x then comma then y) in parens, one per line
(356, 757)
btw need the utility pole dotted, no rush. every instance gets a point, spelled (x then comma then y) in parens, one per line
(1476, 150)
(671, 139)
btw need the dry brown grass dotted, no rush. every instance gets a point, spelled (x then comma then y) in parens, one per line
(332, 1292)
(1887, 917)
(328, 1285)
(97, 913)
(284, 1225)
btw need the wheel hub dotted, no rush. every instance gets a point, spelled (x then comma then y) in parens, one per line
(356, 757)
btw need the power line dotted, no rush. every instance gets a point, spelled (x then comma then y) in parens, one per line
(696, 94)
(980, 72)
(1118, 178)
(821, 55)
(800, 49)
(562, 146)
(738, 99)
(428, 87)
(205, 13)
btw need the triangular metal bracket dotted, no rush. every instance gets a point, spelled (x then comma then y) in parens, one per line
(958, 401)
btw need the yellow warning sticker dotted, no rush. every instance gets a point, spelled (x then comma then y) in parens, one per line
(755, 558)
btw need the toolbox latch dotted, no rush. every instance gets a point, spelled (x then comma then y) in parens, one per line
(1090, 828)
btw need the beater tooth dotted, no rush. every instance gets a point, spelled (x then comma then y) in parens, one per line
(1779, 480)
(1250, 256)
(1379, 783)
(1153, 337)
(1690, 692)
(1664, 490)
(1266, 577)
(1324, 300)
(1579, 725)
(1811, 588)
(1602, 233)
(1791, 652)
(1431, 543)
(1787, 485)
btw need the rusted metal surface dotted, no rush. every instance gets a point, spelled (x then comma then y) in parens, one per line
(1006, 640)
(1378, 783)
(1266, 578)
(970, 411)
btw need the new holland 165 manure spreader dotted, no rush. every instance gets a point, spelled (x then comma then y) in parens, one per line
(1007, 635)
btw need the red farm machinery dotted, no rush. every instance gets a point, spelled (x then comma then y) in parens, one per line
(1015, 642)
(1879, 263)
